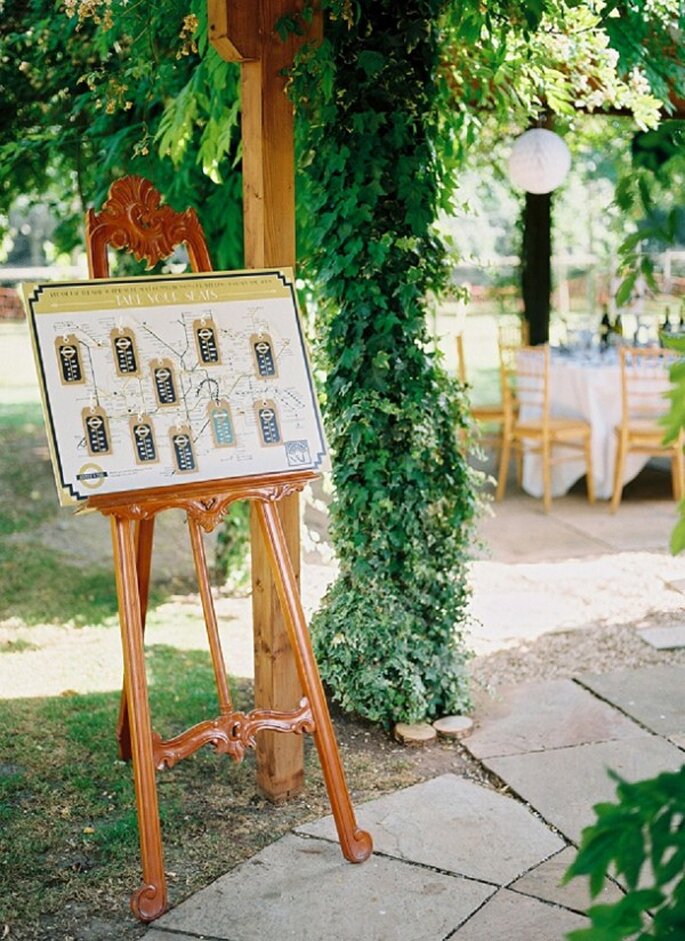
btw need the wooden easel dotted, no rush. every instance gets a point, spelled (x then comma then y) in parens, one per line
(133, 220)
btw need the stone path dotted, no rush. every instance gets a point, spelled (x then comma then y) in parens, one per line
(454, 859)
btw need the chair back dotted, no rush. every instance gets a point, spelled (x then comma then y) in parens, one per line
(645, 382)
(513, 333)
(134, 220)
(530, 382)
(461, 361)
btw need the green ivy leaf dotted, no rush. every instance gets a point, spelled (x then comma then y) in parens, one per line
(371, 62)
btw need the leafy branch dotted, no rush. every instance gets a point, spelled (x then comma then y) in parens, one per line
(640, 840)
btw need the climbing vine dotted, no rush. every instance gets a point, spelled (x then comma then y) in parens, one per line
(389, 636)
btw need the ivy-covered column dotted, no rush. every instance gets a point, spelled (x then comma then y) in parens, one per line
(389, 637)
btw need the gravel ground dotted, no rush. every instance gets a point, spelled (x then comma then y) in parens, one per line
(537, 621)
(569, 653)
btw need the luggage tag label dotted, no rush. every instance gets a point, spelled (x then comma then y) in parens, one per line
(206, 342)
(221, 424)
(182, 449)
(69, 359)
(164, 382)
(96, 426)
(267, 421)
(125, 352)
(263, 352)
(143, 436)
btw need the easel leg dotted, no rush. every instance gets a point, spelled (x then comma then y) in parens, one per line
(149, 901)
(144, 534)
(356, 844)
(200, 558)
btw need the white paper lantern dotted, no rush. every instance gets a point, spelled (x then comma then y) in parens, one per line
(539, 161)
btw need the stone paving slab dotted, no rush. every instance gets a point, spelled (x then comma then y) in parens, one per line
(509, 916)
(304, 890)
(176, 936)
(551, 714)
(645, 525)
(456, 826)
(501, 533)
(664, 638)
(563, 784)
(654, 696)
(545, 882)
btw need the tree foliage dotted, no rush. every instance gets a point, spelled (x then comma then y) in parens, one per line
(650, 194)
(390, 104)
(511, 64)
(91, 90)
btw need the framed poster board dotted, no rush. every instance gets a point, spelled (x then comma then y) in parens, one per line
(161, 380)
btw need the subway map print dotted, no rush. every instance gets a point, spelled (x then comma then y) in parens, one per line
(161, 380)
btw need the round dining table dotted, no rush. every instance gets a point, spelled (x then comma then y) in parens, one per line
(586, 386)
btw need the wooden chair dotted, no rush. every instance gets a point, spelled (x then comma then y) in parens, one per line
(533, 429)
(644, 382)
(483, 414)
(509, 335)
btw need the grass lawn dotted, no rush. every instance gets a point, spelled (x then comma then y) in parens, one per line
(69, 842)
(37, 584)
(27, 486)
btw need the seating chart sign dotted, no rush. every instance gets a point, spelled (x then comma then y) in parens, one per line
(155, 381)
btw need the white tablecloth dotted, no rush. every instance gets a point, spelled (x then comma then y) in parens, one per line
(591, 391)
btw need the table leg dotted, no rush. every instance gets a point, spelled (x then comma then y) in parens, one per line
(149, 901)
(356, 844)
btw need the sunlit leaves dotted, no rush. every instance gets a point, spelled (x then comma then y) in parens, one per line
(563, 62)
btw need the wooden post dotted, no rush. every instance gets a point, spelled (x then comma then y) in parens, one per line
(243, 31)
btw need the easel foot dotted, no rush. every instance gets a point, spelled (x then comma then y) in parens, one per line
(358, 848)
(149, 902)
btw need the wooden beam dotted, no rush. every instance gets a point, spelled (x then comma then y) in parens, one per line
(234, 29)
(244, 31)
